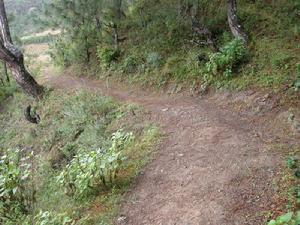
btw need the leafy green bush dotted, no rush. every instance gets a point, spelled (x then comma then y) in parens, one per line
(224, 61)
(289, 218)
(80, 123)
(131, 63)
(73, 124)
(107, 55)
(67, 51)
(16, 197)
(61, 52)
(90, 170)
(49, 218)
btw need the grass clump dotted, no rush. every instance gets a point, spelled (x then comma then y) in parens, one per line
(7, 90)
(92, 169)
(81, 158)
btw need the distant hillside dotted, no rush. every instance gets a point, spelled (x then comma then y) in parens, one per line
(22, 6)
(22, 15)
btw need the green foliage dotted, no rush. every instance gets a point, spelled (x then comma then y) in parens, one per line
(6, 91)
(227, 59)
(154, 60)
(81, 132)
(63, 54)
(107, 55)
(49, 218)
(281, 61)
(292, 162)
(78, 21)
(16, 194)
(22, 16)
(297, 81)
(90, 170)
(289, 218)
(183, 66)
(155, 34)
(130, 64)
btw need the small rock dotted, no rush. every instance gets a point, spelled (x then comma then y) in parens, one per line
(258, 109)
(291, 117)
(266, 96)
(251, 92)
(296, 126)
(122, 219)
(165, 110)
(204, 89)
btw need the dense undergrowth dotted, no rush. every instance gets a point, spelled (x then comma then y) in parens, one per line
(75, 165)
(158, 46)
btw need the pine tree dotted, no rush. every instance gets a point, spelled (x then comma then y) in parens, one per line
(80, 22)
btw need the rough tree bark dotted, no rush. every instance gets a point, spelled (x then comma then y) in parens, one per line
(118, 9)
(15, 59)
(118, 15)
(235, 27)
(115, 35)
(4, 76)
(5, 72)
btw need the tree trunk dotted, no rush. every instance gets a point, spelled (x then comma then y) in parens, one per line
(5, 72)
(118, 9)
(235, 27)
(15, 59)
(115, 36)
(24, 79)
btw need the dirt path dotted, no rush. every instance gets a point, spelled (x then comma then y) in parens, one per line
(209, 169)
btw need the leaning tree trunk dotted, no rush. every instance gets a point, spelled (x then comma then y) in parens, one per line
(24, 79)
(15, 59)
(235, 27)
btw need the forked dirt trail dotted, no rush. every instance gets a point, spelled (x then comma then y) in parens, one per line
(210, 168)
